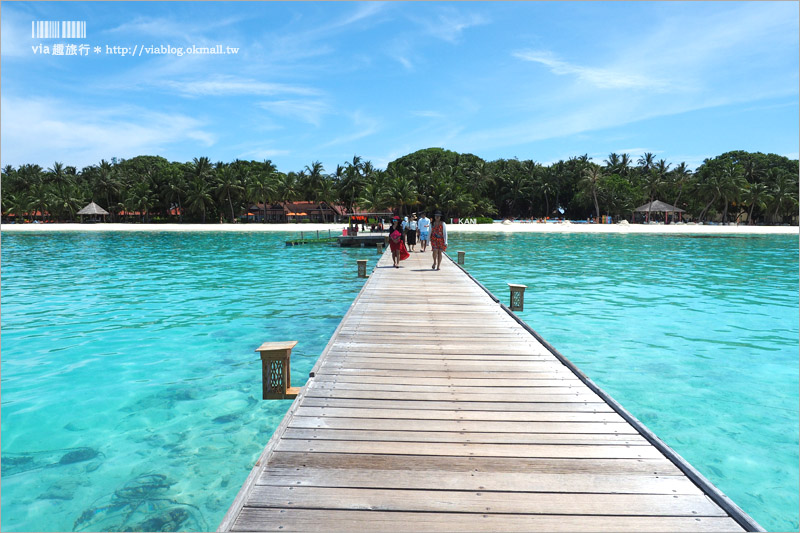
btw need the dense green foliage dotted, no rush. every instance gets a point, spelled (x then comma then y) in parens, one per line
(734, 186)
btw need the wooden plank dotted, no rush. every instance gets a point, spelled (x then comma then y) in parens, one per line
(261, 519)
(476, 464)
(465, 437)
(552, 388)
(411, 424)
(537, 381)
(488, 481)
(546, 451)
(456, 405)
(398, 373)
(303, 497)
(434, 414)
(456, 395)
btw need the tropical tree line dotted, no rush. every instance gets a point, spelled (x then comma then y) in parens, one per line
(734, 186)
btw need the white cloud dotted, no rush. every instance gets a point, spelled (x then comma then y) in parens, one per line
(170, 30)
(363, 126)
(232, 85)
(45, 130)
(310, 111)
(449, 24)
(602, 78)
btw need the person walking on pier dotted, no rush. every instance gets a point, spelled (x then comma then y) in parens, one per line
(438, 240)
(395, 226)
(424, 228)
(398, 247)
(411, 232)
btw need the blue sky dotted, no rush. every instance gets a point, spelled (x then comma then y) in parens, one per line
(327, 81)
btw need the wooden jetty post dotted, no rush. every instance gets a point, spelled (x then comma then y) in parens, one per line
(275, 372)
(380, 248)
(362, 268)
(460, 258)
(517, 296)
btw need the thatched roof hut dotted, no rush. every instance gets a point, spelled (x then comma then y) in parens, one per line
(659, 207)
(92, 209)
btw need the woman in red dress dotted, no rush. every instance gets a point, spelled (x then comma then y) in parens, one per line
(399, 252)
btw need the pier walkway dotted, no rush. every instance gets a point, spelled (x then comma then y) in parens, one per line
(433, 408)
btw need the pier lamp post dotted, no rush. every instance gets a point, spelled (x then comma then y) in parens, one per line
(380, 248)
(276, 379)
(460, 258)
(362, 268)
(517, 296)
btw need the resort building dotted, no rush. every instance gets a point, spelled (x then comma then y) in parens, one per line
(295, 212)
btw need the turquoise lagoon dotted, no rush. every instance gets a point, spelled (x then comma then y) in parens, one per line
(131, 391)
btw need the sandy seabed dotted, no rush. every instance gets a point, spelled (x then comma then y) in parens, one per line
(336, 229)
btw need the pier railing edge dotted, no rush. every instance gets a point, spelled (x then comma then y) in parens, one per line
(716, 495)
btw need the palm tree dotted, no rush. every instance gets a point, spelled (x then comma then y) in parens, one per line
(198, 196)
(263, 186)
(20, 204)
(140, 198)
(709, 187)
(731, 184)
(479, 178)
(546, 186)
(106, 183)
(751, 170)
(352, 182)
(756, 195)
(590, 182)
(314, 179)
(288, 187)
(373, 198)
(783, 190)
(228, 185)
(326, 193)
(655, 179)
(174, 188)
(646, 162)
(624, 165)
(680, 176)
(201, 168)
(402, 192)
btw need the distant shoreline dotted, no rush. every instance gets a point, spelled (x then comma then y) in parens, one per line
(336, 229)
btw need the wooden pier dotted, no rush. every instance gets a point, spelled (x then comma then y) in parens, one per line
(434, 408)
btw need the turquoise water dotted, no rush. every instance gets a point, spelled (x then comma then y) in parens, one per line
(131, 391)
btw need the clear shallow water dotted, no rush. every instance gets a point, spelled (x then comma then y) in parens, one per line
(131, 392)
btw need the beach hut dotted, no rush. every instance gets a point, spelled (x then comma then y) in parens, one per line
(658, 206)
(93, 210)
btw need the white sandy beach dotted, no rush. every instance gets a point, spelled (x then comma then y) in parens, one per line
(336, 229)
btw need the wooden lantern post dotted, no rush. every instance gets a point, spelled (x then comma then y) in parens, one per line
(275, 373)
(362, 268)
(380, 248)
(460, 258)
(517, 296)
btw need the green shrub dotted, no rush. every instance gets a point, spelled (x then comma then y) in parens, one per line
(484, 220)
